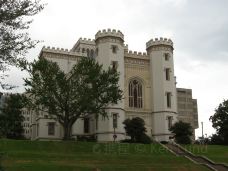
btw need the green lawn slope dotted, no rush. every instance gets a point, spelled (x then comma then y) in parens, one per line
(84, 156)
(217, 153)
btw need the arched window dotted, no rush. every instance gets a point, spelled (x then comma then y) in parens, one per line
(92, 53)
(135, 94)
(87, 52)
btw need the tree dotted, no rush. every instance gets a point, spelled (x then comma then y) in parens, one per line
(86, 90)
(220, 122)
(14, 40)
(11, 117)
(135, 128)
(182, 131)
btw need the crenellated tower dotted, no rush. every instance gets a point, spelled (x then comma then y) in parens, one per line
(163, 88)
(110, 53)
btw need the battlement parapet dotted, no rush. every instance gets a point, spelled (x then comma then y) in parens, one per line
(55, 49)
(87, 41)
(136, 54)
(61, 51)
(109, 32)
(161, 41)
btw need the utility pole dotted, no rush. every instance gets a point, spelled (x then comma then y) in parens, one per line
(202, 129)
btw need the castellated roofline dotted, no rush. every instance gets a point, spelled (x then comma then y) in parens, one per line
(109, 32)
(87, 41)
(136, 54)
(61, 51)
(161, 41)
(83, 41)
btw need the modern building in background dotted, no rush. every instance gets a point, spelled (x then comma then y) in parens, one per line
(27, 114)
(187, 108)
(147, 79)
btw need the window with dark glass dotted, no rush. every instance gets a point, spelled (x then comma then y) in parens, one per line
(88, 52)
(167, 74)
(86, 125)
(97, 51)
(135, 94)
(114, 49)
(166, 56)
(114, 65)
(92, 53)
(96, 123)
(51, 128)
(114, 117)
(169, 118)
(168, 96)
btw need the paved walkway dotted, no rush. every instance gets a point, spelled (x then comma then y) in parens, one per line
(197, 159)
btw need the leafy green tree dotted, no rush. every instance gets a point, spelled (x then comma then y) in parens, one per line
(14, 40)
(220, 122)
(182, 131)
(11, 117)
(86, 90)
(135, 128)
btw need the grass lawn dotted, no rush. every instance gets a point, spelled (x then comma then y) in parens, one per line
(84, 156)
(217, 153)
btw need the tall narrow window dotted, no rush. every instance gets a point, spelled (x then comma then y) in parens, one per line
(86, 125)
(87, 52)
(97, 123)
(168, 96)
(114, 48)
(169, 118)
(51, 128)
(166, 56)
(114, 117)
(167, 74)
(37, 130)
(92, 53)
(135, 94)
(97, 51)
(114, 65)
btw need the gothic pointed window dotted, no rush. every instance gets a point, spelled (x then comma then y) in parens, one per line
(135, 94)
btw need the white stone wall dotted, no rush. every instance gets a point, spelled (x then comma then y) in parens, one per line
(148, 67)
(160, 87)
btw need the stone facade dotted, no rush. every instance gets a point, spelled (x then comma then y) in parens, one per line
(147, 80)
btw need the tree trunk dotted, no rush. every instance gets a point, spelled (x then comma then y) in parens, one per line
(67, 131)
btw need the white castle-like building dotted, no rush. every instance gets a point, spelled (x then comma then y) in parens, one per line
(147, 80)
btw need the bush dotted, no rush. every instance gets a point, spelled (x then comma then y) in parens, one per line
(87, 138)
(216, 140)
(183, 140)
(1, 168)
(164, 142)
(145, 139)
(126, 141)
(182, 132)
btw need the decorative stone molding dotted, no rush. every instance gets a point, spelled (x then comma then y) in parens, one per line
(136, 61)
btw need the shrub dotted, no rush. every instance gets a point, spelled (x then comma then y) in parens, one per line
(182, 131)
(1, 168)
(164, 142)
(87, 138)
(145, 139)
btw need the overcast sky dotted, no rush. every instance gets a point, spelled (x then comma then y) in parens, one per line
(198, 28)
